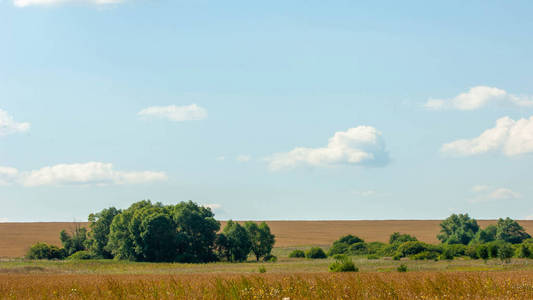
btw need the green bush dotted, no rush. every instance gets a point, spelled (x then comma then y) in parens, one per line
(340, 256)
(402, 268)
(297, 254)
(483, 251)
(429, 255)
(315, 253)
(388, 250)
(411, 248)
(375, 247)
(372, 256)
(270, 258)
(338, 248)
(505, 252)
(81, 255)
(45, 251)
(343, 265)
(397, 237)
(524, 251)
(262, 269)
(358, 249)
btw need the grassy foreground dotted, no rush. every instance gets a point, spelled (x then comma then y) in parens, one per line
(287, 278)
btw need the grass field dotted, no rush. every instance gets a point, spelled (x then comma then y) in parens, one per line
(15, 238)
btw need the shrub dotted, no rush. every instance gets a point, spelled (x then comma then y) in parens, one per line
(524, 251)
(297, 254)
(45, 251)
(401, 238)
(315, 253)
(80, 255)
(270, 258)
(471, 251)
(411, 248)
(505, 252)
(340, 256)
(375, 247)
(494, 248)
(262, 269)
(343, 265)
(372, 256)
(483, 252)
(358, 249)
(388, 250)
(349, 239)
(430, 255)
(338, 248)
(402, 268)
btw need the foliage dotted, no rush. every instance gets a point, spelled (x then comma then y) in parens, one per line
(486, 235)
(375, 247)
(270, 258)
(483, 251)
(505, 252)
(358, 249)
(458, 229)
(74, 242)
(98, 236)
(343, 265)
(261, 238)
(426, 255)
(510, 231)
(524, 251)
(45, 251)
(349, 239)
(397, 237)
(402, 268)
(338, 248)
(315, 253)
(411, 248)
(297, 253)
(262, 269)
(235, 245)
(80, 255)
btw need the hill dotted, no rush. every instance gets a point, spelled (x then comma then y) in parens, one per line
(15, 238)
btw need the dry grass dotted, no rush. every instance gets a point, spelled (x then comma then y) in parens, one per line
(419, 285)
(15, 238)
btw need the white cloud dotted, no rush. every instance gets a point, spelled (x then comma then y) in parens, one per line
(529, 217)
(175, 113)
(212, 206)
(362, 145)
(4, 220)
(91, 173)
(368, 193)
(244, 158)
(9, 126)
(478, 97)
(24, 3)
(508, 136)
(484, 193)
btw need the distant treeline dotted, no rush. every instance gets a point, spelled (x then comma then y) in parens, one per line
(146, 231)
(460, 236)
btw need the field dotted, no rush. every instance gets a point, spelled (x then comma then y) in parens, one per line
(15, 238)
(288, 278)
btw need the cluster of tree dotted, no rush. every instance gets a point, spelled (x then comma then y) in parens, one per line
(146, 231)
(460, 236)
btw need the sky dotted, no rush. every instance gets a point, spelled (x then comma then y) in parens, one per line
(275, 110)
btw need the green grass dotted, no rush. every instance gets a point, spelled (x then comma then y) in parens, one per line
(283, 265)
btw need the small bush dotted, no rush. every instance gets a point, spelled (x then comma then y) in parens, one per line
(297, 254)
(372, 256)
(81, 255)
(375, 247)
(429, 255)
(340, 256)
(45, 251)
(343, 265)
(411, 248)
(262, 269)
(402, 268)
(358, 249)
(270, 258)
(350, 239)
(524, 251)
(505, 252)
(315, 253)
(338, 248)
(483, 252)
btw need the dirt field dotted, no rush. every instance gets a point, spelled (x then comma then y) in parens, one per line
(15, 238)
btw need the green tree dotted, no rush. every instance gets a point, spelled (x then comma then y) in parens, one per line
(237, 242)
(261, 238)
(458, 229)
(397, 237)
(45, 251)
(74, 242)
(486, 235)
(98, 236)
(505, 252)
(510, 231)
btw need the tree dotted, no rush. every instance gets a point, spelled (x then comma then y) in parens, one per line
(397, 237)
(505, 252)
(157, 237)
(45, 251)
(486, 235)
(458, 229)
(315, 253)
(510, 231)
(349, 239)
(261, 239)
(237, 243)
(74, 242)
(100, 224)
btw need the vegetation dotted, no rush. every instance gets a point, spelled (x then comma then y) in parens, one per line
(315, 253)
(297, 254)
(45, 251)
(343, 264)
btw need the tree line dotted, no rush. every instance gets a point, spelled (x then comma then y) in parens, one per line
(153, 232)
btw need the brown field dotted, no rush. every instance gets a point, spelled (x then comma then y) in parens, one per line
(418, 285)
(15, 238)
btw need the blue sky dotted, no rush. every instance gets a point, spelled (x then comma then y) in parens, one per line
(274, 110)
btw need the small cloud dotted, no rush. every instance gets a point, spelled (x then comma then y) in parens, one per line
(175, 113)
(478, 97)
(9, 126)
(91, 173)
(25, 3)
(213, 206)
(244, 158)
(509, 137)
(486, 193)
(4, 220)
(221, 158)
(362, 145)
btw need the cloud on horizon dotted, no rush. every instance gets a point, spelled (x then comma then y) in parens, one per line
(9, 126)
(362, 146)
(175, 113)
(509, 137)
(485, 193)
(91, 173)
(478, 97)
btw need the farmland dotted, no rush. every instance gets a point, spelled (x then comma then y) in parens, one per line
(15, 238)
